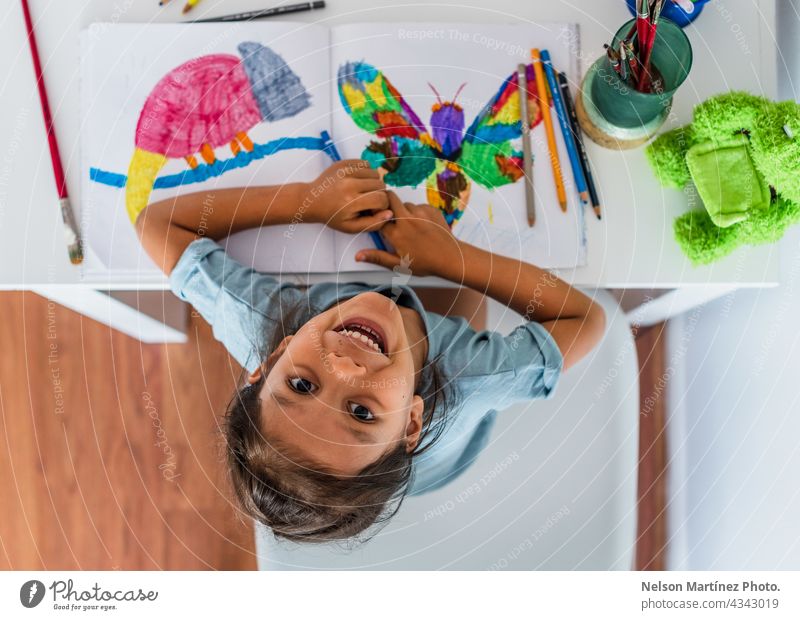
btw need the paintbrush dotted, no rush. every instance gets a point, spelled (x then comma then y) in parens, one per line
(645, 77)
(613, 57)
(632, 60)
(71, 232)
(642, 24)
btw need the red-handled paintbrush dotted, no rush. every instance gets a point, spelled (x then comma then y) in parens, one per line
(71, 233)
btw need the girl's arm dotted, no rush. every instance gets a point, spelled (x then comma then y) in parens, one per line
(348, 196)
(427, 247)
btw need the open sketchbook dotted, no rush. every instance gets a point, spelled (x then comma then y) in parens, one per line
(175, 108)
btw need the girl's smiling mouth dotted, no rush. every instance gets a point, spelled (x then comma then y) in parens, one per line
(368, 334)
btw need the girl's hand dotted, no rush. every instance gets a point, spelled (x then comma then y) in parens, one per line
(349, 196)
(421, 238)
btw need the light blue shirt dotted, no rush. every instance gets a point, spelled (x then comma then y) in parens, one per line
(488, 371)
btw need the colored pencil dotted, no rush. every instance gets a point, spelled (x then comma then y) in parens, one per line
(566, 128)
(333, 152)
(566, 96)
(278, 10)
(544, 106)
(189, 5)
(527, 155)
(71, 233)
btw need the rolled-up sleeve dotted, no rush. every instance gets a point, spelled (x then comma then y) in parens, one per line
(536, 359)
(235, 300)
(495, 369)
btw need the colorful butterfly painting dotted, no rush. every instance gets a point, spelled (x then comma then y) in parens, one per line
(445, 157)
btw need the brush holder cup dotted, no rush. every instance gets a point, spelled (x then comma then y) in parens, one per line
(616, 115)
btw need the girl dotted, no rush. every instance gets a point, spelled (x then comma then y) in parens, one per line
(355, 395)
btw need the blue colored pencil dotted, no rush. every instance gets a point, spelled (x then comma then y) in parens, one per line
(566, 129)
(576, 133)
(331, 150)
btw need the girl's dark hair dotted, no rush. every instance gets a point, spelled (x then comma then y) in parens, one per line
(296, 499)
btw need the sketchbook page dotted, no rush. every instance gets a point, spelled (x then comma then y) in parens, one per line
(429, 64)
(257, 94)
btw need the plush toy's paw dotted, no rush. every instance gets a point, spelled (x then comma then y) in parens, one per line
(704, 242)
(667, 157)
(770, 225)
(776, 154)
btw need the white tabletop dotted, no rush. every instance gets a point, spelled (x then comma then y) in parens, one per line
(633, 246)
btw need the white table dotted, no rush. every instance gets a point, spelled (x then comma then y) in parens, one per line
(631, 248)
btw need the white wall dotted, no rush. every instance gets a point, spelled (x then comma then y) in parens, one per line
(734, 400)
(734, 427)
(734, 431)
(788, 36)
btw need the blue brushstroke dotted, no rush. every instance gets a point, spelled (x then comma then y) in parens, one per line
(205, 172)
(104, 177)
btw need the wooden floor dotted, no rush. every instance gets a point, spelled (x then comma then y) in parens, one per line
(112, 450)
(111, 457)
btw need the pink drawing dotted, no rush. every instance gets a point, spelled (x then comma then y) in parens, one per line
(206, 103)
(201, 105)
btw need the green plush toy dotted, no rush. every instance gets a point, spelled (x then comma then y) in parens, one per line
(742, 152)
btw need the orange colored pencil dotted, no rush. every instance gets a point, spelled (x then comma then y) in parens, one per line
(544, 106)
(189, 5)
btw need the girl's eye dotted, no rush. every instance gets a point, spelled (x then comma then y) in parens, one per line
(361, 413)
(301, 386)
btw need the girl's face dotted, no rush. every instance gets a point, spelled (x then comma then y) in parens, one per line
(341, 390)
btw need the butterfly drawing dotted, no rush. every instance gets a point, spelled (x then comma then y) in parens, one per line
(445, 157)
